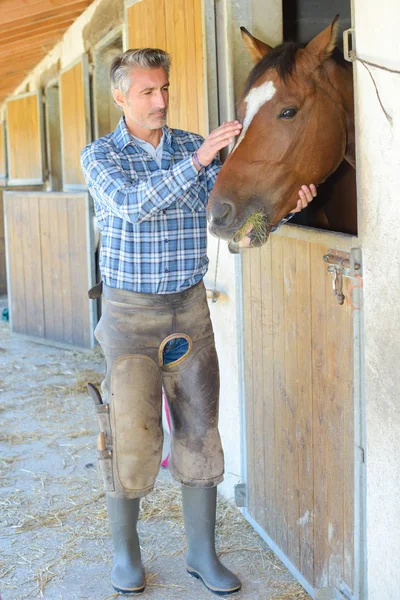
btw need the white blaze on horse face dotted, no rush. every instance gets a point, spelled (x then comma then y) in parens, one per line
(255, 100)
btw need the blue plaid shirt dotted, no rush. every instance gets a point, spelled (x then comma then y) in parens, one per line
(152, 220)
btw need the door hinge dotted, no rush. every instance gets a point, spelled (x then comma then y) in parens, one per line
(349, 45)
(241, 495)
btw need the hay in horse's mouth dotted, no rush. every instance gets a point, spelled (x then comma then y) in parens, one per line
(255, 228)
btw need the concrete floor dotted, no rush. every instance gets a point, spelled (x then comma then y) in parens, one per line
(54, 537)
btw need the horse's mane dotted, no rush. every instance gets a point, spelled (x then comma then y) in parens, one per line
(283, 58)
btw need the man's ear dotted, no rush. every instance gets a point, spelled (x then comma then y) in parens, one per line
(321, 47)
(256, 48)
(119, 98)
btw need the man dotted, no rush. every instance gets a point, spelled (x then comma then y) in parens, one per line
(150, 187)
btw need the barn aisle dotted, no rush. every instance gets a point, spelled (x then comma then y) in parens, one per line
(54, 538)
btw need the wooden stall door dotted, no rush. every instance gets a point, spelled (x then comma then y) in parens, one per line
(176, 26)
(75, 121)
(299, 380)
(49, 247)
(25, 140)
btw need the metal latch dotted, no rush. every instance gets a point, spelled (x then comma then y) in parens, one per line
(340, 265)
(241, 495)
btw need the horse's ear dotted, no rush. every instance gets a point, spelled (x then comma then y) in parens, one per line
(257, 49)
(322, 46)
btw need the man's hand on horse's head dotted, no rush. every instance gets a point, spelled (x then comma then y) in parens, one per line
(218, 139)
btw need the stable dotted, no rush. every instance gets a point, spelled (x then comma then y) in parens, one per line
(304, 324)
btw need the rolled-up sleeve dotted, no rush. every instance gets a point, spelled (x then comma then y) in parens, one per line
(139, 199)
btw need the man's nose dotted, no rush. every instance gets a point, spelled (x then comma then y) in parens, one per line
(160, 100)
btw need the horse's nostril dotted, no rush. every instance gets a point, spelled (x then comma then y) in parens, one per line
(222, 213)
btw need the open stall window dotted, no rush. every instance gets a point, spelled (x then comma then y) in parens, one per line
(75, 121)
(53, 136)
(106, 114)
(3, 159)
(25, 139)
(337, 196)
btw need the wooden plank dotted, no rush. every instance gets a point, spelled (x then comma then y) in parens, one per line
(73, 123)
(3, 169)
(53, 133)
(305, 410)
(32, 267)
(3, 269)
(47, 225)
(35, 34)
(290, 400)
(152, 14)
(320, 422)
(24, 138)
(17, 281)
(279, 391)
(267, 348)
(248, 359)
(14, 10)
(202, 112)
(334, 433)
(25, 27)
(65, 271)
(181, 44)
(347, 360)
(78, 266)
(258, 385)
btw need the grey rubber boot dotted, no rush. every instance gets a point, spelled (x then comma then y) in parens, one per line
(202, 562)
(127, 576)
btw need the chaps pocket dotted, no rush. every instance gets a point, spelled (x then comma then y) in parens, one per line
(104, 461)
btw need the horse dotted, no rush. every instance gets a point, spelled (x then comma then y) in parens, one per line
(297, 111)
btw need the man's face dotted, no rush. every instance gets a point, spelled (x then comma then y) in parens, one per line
(146, 102)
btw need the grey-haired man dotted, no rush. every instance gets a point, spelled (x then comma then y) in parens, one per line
(150, 186)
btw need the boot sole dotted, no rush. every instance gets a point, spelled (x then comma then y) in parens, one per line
(216, 591)
(129, 592)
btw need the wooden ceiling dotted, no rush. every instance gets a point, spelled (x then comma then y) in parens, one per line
(29, 29)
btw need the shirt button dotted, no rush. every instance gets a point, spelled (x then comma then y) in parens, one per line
(167, 270)
(164, 212)
(166, 241)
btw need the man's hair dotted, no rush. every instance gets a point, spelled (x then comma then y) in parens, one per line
(146, 58)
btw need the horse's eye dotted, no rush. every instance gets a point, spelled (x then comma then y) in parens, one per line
(288, 113)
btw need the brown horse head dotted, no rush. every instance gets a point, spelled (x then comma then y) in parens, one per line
(298, 125)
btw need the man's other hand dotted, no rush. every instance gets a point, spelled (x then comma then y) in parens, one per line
(306, 194)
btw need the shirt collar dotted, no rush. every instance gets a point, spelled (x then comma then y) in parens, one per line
(122, 137)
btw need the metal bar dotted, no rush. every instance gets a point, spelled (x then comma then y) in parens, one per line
(359, 583)
(341, 262)
(288, 564)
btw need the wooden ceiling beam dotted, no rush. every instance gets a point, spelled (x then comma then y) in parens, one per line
(7, 32)
(12, 10)
(40, 41)
(19, 63)
(50, 32)
(60, 13)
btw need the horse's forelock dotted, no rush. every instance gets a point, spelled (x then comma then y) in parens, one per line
(282, 59)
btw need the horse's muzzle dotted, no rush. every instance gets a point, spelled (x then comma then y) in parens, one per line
(221, 213)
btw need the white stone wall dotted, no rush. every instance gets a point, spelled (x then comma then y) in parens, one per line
(378, 166)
